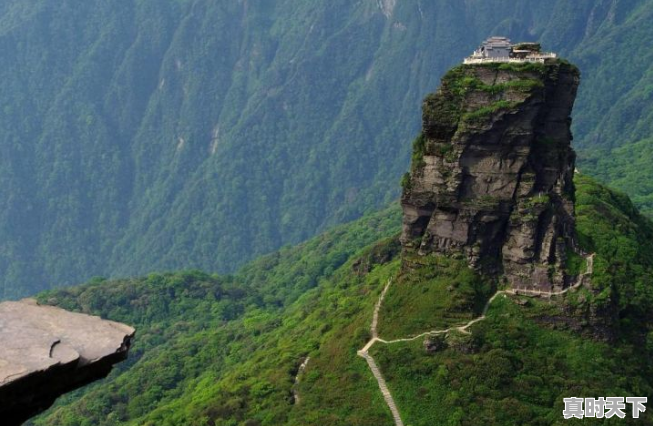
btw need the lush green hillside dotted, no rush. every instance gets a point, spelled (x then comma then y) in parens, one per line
(216, 342)
(226, 350)
(146, 135)
(627, 168)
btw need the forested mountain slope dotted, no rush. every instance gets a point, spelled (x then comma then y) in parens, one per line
(149, 135)
(227, 350)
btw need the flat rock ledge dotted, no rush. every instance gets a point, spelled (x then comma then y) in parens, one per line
(47, 351)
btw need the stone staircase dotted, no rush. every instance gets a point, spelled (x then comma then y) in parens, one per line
(384, 388)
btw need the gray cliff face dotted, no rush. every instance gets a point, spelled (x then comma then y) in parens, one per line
(47, 352)
(492, 172)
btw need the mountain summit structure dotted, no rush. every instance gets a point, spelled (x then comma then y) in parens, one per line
(492, 171)
(501, 49)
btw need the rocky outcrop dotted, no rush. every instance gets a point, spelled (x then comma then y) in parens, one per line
(434, 344)
(47, 351)
(492, 172)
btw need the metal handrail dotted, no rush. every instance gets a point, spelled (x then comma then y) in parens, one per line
(539, 58)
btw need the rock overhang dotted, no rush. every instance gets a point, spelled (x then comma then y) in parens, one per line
(47, 351)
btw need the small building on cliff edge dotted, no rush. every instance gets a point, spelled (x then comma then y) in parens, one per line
(501, 49)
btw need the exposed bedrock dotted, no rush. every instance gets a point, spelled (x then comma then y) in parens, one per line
(492, 172)
(47, 351)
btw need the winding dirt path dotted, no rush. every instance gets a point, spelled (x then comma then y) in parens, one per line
(376, 371)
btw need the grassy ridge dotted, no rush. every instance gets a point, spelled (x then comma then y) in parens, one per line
(226, 350)
(513, 370)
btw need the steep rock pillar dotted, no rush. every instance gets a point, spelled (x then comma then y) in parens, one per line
(492, 172)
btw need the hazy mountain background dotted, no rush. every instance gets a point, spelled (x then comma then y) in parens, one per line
(141, 135)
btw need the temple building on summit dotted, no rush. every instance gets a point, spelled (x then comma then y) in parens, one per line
(501, 49)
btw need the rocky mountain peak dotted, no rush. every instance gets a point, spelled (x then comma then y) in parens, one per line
(492, 172)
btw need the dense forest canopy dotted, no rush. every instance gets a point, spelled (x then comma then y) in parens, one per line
(149, 135)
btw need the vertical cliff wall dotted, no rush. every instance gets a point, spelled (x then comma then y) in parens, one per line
(492, 171)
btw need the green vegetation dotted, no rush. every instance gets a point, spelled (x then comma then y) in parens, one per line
(472, 83)
(484, 202)
(535, 201)
(575, 263)
(226, 349)
(461, 83)
(436, 293)
(133, 146)
(458, 81)
(519, 67)
(419, 148)
(531, 208)
(522, 85)
(446, 151)
(447, 107)
(512, 370)
(482, 113)
(406, 182)
(627, 168)
(443, 109)
(533, 47)
(518, 364)
(622, 238)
